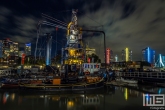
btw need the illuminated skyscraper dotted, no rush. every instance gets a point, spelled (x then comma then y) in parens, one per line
(126, 55)
(148, 55)
(116, 58)
(6, 48)
(108, 55)
(28, 49)
(9, 48)
(14, 49)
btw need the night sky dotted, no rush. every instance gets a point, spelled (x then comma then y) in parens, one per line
(135, 24)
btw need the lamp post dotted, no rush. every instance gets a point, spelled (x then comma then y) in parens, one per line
(104, 42)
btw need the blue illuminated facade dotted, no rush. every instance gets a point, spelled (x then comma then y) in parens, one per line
(28, 44)
(148, 55)
(48, 50)
(28, 49)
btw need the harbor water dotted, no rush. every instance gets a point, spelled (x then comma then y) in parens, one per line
(109, 98)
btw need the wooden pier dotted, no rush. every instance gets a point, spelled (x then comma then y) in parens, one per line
(116, 83)
(145, 76)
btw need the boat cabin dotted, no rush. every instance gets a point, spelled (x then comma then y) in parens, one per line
(90, 68)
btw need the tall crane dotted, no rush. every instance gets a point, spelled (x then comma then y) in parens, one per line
(73, 55)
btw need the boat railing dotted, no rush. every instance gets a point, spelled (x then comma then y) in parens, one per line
(143, 74)
(61, 86)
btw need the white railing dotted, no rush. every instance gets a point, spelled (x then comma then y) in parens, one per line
(5, 72)
(142, 74)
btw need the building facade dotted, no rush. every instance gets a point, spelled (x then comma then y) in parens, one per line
(108, 55)
(28, 49)
(14, 49)
(148, 55)
(126, 55)
(111, 56)
(9, 48)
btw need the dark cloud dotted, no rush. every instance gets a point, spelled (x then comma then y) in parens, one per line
(135, 24)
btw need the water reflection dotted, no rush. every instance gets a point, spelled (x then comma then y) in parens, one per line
(111, 98)
(5, 97)
(126, 94)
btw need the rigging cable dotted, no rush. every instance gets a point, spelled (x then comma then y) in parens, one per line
(92, 19)
(38, 32)
(56, 44)
(57, 22)
(54, 25)
(41, 47)
(53, 19)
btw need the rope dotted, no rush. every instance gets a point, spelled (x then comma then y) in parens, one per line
(54, 25)
(91, 19)
(53, 19)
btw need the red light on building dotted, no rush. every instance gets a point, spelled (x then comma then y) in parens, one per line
(23, 59)
(107, 55)
(97, 66)
(89, 60)
(56, 28)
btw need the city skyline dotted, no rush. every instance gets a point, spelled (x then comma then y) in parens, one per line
(135, 24)
(7, 47)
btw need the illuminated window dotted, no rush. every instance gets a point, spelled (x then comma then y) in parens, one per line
(85, 65)
(72, 37)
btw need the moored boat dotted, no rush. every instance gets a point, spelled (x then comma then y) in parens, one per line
(9, 86)
(130, 81)
(91, 83)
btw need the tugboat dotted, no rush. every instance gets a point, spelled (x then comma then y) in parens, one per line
(75, 72)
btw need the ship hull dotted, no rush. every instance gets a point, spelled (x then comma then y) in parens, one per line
(64, 87)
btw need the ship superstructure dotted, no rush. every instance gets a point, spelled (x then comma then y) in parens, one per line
(73, 53)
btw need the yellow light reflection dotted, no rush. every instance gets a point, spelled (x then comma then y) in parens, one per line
(126, 94)
(56, 98)
(13, 96)
(70, 104)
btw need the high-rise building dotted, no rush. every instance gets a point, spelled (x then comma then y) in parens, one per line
(108, 56)
(123, 55)
(111, 56)
(130, 55)
(14, 49)
(20, 53)
(126, 55)
(28, 49)
(9, 48)
(6, 48)
(116, 58)
(148, 55)
(143, 54)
